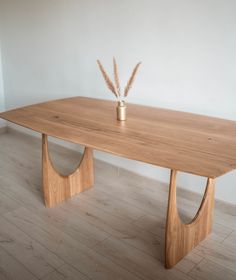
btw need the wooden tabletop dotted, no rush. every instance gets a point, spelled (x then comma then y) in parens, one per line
(181, 141)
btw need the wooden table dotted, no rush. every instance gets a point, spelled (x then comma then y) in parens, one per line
(179, 141)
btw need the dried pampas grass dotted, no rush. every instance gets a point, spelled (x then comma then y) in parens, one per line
(115, 88)
(107, 79)
(116, 76)
(131, 80)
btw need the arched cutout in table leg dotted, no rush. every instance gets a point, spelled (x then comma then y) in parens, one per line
(181, 238)
(57, 187)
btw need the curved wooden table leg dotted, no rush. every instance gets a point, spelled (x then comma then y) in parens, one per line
(57, 187)
(181, 238)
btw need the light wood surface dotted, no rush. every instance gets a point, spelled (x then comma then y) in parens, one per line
(114, 230)
(182, 238)
(180, 141)
(58, 188)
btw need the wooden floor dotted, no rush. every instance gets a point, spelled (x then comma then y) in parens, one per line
(113, 231)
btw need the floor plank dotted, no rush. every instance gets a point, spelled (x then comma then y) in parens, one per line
(137, 262)
(7, 204)
(10, 268)
(218, 253)
(117, 227)
(35, 257)
(230, 241)
(71, 251)
(207, 270)
(66, 272)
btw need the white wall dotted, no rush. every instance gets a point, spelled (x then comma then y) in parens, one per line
(50, 47)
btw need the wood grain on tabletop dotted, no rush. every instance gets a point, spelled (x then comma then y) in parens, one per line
(181, 141)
